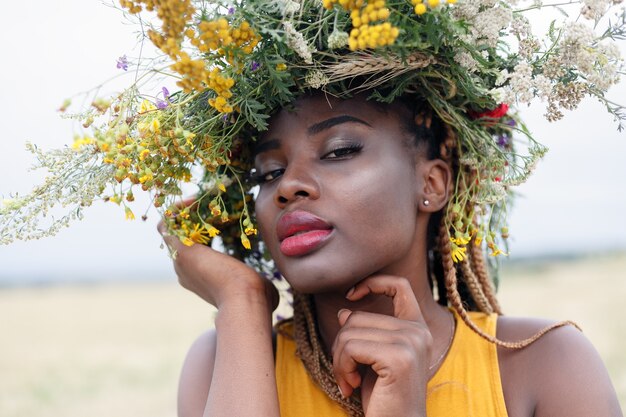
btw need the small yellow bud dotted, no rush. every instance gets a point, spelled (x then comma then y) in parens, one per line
(420, 9)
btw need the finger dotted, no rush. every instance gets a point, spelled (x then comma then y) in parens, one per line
(399, 289)
(366, 319)
(343, 315)
(348, 359)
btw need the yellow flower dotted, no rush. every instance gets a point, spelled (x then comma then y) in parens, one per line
(250, 231)
(199, 234)
(144, 154)
(458, 253)
(420, 9)
(146, 178)
(129, 214)
(280, 67)
(221, 187)
(146, 106)
(460, 240)
(155, 126)
(80, 142)
(212, 231)
(495, 251)
(187, 242)
(245, 241)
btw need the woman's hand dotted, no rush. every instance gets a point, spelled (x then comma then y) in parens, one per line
(395, 349)
(215, 276)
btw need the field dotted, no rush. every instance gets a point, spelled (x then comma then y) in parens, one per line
(116, 349)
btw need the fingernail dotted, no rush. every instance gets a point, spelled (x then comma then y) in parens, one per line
(340, 391)
(350, 292)
(341, 311)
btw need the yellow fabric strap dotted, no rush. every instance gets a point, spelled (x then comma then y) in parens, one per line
(467, 384)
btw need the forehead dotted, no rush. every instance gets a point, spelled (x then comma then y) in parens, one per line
(311, 110)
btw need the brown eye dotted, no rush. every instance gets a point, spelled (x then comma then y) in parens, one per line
(343, 151)
(269, 176)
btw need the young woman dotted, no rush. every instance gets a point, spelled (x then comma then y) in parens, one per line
(384, 174)
(351, 192)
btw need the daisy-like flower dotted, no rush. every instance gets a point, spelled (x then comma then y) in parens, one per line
(199, 234)
(458, 253)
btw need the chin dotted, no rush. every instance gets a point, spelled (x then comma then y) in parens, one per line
(315, 276)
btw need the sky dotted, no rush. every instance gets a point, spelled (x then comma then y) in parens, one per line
(574, 203)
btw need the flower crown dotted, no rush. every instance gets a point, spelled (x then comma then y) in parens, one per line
(237, 62)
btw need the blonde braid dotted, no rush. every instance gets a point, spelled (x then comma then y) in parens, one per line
(314, 357)
(454, 298)
(475, 287)
(478, 265)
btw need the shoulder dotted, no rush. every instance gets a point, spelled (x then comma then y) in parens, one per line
(560, 374)
(195, 377)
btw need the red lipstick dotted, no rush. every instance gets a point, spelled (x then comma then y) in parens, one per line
(301, 232)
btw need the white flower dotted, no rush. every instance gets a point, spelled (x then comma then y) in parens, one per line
(338, 39)
(284, 7)
(520, 26)
(466, 60)
(521, 84)
(290, 7)
(316, 79)
(486, 21)
(594, 9)
(498, 94)
(502, 77)
(543, 86)
(296, 41)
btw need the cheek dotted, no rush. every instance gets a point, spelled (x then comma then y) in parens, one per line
(383, 206)
(263, 208)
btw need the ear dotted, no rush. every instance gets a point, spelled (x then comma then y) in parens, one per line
(435, 184)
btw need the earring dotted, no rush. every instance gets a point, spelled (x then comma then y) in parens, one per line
(426, 203)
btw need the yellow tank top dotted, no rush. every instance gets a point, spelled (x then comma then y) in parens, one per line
(467, 383)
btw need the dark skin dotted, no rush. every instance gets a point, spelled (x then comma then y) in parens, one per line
(352, 165)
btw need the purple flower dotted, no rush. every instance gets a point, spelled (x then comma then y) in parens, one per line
(161, 104)
(122, 63)
(254, 66)
(231, 10)
(511, 123)
(502, 141)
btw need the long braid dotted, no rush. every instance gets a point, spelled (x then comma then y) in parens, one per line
(475, 287)
(478, 265)
(455, 299)
(310, 350)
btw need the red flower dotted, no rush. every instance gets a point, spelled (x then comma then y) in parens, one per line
(496, 113)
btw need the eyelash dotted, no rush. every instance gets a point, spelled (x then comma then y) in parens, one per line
(351, 148)
(262, 178)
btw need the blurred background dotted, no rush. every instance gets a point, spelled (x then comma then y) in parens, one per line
(92, 321)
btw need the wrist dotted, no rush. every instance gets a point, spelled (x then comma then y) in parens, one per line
(244, 304)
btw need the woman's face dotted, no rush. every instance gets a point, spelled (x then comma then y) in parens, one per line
(339, 194)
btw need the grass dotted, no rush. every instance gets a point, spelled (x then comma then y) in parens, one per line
(116, 349)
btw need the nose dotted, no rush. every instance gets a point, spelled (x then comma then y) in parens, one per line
(296, 183)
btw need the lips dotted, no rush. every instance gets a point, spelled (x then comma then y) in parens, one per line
(301, 232)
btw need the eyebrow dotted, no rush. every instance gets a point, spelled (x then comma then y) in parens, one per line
(272, 144)
(334, 121)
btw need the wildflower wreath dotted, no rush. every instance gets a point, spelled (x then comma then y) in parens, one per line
(236, 62)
